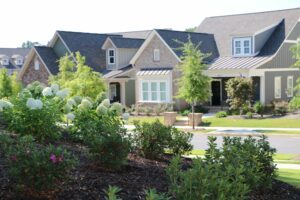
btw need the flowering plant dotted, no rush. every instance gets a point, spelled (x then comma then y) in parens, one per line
(37, 167)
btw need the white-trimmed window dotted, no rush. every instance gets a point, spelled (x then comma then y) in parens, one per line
(111, 56)
(36, 64)
(290, 86)
(242, 46)
(19, 61)
(154, 91)
(277, 87)
(156, 55)
(4, 61)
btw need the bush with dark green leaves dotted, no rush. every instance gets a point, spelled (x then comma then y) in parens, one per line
(221, 114)
(152, 139)
(240, 166)
(249, 115)
(259, 108)
(38, 167)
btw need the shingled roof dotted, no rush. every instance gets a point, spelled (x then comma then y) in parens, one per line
(10, 52)
(226, 27)
(49, 58)
(89, 45)
(127, 42)
(175, 38)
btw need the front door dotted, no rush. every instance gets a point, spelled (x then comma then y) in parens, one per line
(114, 92)
(216, 93)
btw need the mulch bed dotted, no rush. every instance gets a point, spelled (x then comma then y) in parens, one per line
(88, 181)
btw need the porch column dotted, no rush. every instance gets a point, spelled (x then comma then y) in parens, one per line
(262, 90)
(122, 91)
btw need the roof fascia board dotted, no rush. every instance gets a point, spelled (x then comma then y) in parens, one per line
(104, 46)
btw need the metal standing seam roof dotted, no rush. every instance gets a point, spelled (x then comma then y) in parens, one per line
(153, 72)
(237, 62)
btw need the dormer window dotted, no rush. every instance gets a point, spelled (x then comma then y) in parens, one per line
(111, 56)
(242, 46)
(4, 61)
(156, 55)
(19, 61)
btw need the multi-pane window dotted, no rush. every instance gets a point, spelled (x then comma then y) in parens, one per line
(277, 87)
(290, 86)
(111, 56)
(242, 46)
(154, 91)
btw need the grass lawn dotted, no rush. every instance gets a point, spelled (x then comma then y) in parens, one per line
(145, 119)
(291, 176)
(266, 123)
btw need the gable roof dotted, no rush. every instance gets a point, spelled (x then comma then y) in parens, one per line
(225, 27)
(89, 45)
(11, 53)
(175, 38)
(49, 58)
(121, 42)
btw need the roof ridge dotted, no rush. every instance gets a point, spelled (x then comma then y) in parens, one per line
(259, 12)
(127, 38)
(13, 48)
(108, 34)
(188, 32)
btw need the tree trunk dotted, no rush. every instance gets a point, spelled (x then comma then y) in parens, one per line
(193, 112)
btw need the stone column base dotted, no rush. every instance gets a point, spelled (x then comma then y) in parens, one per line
(197, 119)
(169, 118)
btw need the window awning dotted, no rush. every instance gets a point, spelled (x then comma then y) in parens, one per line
(154, 72)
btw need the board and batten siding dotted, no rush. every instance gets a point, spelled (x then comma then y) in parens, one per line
(59, 48)
(283, 59)
(270, 84)
(130, 92)
(295, 33)
(261, 38)
(124, 56)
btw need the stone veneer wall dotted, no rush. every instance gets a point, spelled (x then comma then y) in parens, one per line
(31, 75)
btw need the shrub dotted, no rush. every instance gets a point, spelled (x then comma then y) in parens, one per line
(5, 141)
(148, 110)
(151, 139)
(259, 108)
(109, 150)
(37, 167)
(37, 117)
(201, 109)
(180, 142)
(280, 107)
(249, 115)
(205, 180)
(35, 89)
(185, 112)
(160, 108)
(221, 114)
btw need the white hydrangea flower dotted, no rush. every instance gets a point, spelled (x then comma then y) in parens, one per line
(5, 104)
(117, 107)
(71, 102)
(70, 116)
(34, 104)
(55, 88)
(47, 91)
(67, 108)
(125, 116)
(62, 93)
(106, 103)
(85, 104)
(101, 110)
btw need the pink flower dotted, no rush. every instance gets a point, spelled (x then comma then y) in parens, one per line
(13, 158)
(53, 158)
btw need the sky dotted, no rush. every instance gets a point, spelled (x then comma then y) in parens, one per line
(37, 20)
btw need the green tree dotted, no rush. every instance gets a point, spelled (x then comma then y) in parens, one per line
(239, 91)
(79, 78)
(192, 29)
(29, 44)
(5, 84)
(15, 84)
(194, 86)
(295, 101)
